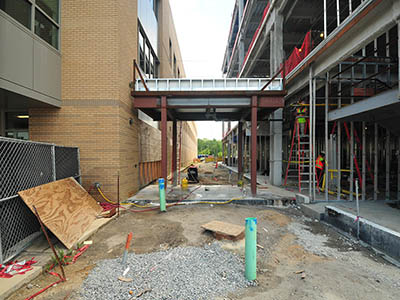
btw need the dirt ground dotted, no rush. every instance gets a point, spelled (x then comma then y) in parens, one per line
(334, 267)
(209, 175)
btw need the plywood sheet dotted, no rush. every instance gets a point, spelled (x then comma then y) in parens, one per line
(225, 230)
(65, 208)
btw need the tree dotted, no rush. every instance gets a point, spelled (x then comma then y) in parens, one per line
(209, 147)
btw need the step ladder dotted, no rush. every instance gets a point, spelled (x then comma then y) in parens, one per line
(298, 166)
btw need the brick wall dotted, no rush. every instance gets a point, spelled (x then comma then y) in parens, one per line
(98, 45)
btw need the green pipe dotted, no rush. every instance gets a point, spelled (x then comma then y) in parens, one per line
(251, 249)
(161, 187)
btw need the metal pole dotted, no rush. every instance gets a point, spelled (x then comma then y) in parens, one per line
(398, 170)
(50, 244)
(352, 141)
(174, 152)
(350, 6)
(326, 134)
(314, 130)
(376, 161)
(338, 12)
(164, 141)
(388, 153)
(325, 21)
(311, 163)
(118, 194)
(339, 141)
(240, 150)
(253, 158)
(358, 211)
(363, 188)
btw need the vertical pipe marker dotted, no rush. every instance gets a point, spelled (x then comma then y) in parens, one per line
(161, 187)
(251, 249)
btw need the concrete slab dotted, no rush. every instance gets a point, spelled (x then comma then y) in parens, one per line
(216, 193)
(379, 223)
(10, 285)
(375, 211)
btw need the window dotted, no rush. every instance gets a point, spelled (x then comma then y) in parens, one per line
(179, 73)
(46, 29)
(50, 7)
(148, 61)
(174, 68)
(170, 52)
(20, 10)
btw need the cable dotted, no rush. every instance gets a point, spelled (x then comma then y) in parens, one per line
(123, 203)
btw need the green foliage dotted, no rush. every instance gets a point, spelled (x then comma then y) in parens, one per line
(209, 147)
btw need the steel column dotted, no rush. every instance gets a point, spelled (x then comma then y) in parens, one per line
(326, 135)
(311, 162)
(314, 130)
(164, 153)
(174, 153)
(339, 142)
(240, 150)
(363, 188)
(325, 21)
(398, 169)
(387, 157)
(375, 161)
(254, 145)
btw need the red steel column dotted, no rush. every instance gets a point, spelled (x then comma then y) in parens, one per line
(164, 154)
(174, 151)
(253, 145)
(240, 150)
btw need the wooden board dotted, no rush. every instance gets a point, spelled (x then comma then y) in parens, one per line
(65, 208)
(222, 230)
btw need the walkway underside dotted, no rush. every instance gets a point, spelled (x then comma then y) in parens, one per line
(218, 100)
(208, 105)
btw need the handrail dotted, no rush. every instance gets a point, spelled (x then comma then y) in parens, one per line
(282, 69)
(136, 67)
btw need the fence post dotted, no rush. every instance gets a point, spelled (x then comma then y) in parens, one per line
(53, 161)
(1, 251)
(78, 155)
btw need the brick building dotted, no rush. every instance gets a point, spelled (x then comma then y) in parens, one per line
(65, 76)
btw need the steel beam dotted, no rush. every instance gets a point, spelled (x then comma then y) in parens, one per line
(254, 145)
(375, 102)
(164, 129)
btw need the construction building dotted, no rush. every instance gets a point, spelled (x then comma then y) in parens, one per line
(339, 61)
(66, 71)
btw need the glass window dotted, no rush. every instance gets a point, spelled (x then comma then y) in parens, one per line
(20, 10)
(46, 29)
(50, 7)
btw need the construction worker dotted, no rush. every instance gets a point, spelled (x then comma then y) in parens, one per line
(301, 118)
(320, 167)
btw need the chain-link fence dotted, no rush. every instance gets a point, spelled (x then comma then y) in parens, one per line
(23, 165)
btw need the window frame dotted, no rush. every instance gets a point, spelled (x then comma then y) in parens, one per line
(56, 24)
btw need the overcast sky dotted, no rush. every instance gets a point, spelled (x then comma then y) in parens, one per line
(202, 27)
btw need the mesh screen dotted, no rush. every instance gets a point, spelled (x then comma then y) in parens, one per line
(23, 165)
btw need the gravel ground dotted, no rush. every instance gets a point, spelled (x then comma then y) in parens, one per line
(178, 273)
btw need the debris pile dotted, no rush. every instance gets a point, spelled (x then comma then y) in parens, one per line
(179, 273)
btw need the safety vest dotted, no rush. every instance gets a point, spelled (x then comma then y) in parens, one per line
(301, 112)
(319, 163)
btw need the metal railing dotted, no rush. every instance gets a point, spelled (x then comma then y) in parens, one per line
(23, 165)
